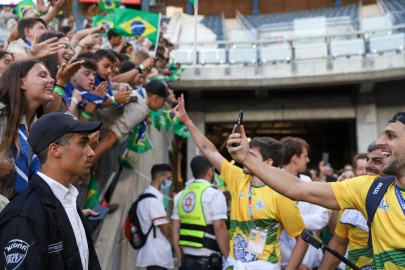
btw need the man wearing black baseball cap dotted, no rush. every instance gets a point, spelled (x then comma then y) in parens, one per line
(42, 228)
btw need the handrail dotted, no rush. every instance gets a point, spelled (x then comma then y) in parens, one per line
(293, 39)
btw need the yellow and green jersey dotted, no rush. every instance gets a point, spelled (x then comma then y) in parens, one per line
(270, 211)
(388, 227)
(358, 251)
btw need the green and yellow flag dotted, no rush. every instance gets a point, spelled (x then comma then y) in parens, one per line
(22, 7)
(138, 141)
(181, 129)
(108, 5)
(176, 73)
(92, 194)
(106, 21)
(132, 22)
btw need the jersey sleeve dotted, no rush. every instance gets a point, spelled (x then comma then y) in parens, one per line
(342, 230)
(231, 174)
(352, 193)
(289, 216)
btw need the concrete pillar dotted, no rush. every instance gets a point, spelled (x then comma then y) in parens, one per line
(145, 5)
(190, 8)
(192, 150)
(255, 7)
(366, 121)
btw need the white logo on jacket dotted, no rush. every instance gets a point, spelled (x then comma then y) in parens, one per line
(15, 252)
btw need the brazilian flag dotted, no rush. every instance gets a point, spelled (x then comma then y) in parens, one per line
(106, 21)
(108, 5)
(157, 119)
(181, 129)
(176, 73)
(132, 22)
(170, 118)
(22, 7)
(92, 194)
(138, 141)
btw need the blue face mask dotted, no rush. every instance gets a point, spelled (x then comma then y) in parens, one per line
(167, 185)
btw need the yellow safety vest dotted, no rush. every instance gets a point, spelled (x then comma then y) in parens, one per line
(194, 230)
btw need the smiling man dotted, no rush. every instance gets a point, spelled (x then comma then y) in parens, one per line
(388, 235)
(42, 228)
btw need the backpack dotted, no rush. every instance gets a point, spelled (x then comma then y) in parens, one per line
(373, 199)
(132, 228)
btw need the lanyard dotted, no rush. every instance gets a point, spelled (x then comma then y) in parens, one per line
(400, 198)
(250, 204)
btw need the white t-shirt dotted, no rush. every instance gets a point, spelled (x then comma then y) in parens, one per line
(315, 218)
(156, 251)
(214, 207)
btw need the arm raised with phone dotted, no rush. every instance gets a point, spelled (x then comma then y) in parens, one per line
(206, 146)
(282, 182)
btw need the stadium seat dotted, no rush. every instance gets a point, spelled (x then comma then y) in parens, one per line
(242, 55)
(212, 56)
(381, 44)
(347, 10)
(310, 50)
(183, 56)
(347, 47)
(275, 53)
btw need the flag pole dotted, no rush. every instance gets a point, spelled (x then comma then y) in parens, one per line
(158, 35)
(195, 32)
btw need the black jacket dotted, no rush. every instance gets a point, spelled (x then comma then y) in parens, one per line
(35, 232)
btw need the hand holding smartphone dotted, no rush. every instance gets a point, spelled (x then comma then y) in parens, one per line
(325, 158)
(94, 221)
(238, 124)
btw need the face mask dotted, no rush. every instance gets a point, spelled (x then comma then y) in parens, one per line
(166, 186)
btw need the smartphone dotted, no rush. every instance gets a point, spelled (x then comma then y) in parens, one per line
(94, 221)
(325, 157)
(238, 123)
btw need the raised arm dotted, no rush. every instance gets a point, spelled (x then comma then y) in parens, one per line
(206, 146)
(282, 182)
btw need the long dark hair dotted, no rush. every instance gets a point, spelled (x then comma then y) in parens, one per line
(51, 61)
(11, 95)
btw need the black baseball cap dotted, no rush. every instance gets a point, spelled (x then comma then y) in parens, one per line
(157, 88)
(52, 126)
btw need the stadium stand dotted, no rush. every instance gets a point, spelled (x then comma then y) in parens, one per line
(215, 23)
(396, 8)
(259, 20)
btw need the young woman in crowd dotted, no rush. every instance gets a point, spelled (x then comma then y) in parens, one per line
(25, 87)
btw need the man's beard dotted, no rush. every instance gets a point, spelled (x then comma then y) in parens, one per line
(396, 168)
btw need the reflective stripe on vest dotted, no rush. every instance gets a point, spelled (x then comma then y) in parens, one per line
(194, 230)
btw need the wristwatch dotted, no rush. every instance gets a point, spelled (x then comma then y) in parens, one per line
(140, 68)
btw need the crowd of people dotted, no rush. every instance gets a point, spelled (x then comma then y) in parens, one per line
(67, 97)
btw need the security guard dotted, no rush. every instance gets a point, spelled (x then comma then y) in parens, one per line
(199, 221)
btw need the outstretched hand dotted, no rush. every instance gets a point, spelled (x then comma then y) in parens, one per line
(44, 48)
(42, 7)
(181, 111)
(238, 145)
(67, 71)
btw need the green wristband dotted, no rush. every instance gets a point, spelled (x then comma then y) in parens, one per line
(113, 100)
(59, 90)
(85, 115)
